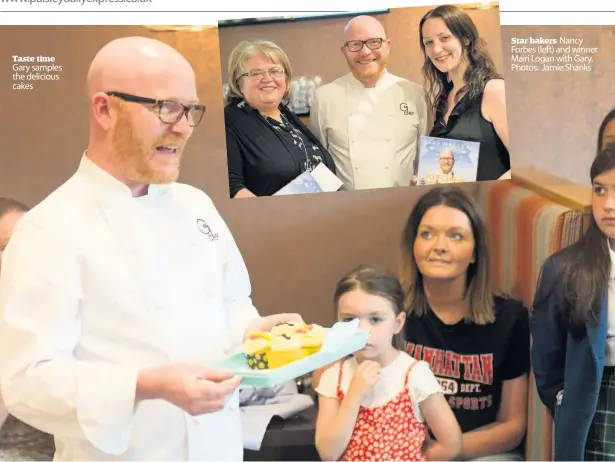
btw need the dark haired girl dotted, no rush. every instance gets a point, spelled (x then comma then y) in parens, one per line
(573, 329)
(606, 133)
(377, 404)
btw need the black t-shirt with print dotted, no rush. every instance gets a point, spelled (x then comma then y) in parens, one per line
(470, 361)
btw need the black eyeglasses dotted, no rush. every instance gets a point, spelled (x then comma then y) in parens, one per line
(167, 110)
(357, 45)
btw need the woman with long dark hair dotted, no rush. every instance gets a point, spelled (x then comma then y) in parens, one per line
(573, 329)
(476, 341)
(606, 133)
(465, 89)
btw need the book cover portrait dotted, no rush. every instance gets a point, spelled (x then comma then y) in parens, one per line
(443, 160)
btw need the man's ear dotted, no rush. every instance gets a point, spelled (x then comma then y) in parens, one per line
(104, 111)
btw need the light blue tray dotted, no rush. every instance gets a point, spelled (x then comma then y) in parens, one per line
(342, 339)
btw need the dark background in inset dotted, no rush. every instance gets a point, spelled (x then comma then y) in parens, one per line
(553, 117)
(296, 247)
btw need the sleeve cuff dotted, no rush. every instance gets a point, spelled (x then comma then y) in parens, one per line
(235, 188)
(106, 405)
(327, 386)
(239, 322)
(326, 393)
(423, 383)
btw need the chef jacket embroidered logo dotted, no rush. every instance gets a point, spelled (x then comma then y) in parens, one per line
(405, 109)
(205, 229)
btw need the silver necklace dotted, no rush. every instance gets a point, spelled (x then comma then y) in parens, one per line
(297, 138)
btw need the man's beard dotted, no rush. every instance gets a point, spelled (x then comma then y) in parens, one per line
(135, 155)
(382, 64)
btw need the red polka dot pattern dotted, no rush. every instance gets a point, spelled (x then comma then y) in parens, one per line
(390, 432)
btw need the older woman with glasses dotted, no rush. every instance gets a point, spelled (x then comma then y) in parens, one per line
(267, 145)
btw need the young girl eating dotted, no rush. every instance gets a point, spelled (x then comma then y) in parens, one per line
(378, 404)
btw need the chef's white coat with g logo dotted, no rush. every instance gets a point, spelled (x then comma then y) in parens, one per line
(96, 285)
(372, 133)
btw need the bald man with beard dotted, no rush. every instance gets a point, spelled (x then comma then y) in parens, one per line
(122, 287)
(370, 120)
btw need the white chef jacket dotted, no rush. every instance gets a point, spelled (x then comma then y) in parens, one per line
(96, 285)
(372, 133)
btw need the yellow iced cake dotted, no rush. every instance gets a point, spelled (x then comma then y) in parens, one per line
(284, 351)
(284, 344)
(255, 348)
(311, 337)
(285, 329)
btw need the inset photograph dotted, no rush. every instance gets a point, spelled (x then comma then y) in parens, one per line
(358, 101)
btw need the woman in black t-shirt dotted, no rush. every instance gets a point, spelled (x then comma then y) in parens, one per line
(465, 89)
(477, 343)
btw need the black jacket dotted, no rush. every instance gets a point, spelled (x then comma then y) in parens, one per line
(259, 158)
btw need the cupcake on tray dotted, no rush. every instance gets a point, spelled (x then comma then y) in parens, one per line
(255, 349)
(284, 329)
(311, 337)
(266, 351)
(284, 351)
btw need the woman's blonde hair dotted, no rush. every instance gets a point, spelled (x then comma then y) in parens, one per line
(479, 293)
(240, 56)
